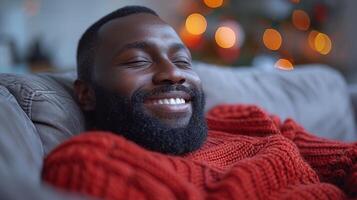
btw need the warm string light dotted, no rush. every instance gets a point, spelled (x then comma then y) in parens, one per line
(284, 64)
(323, 43)
(301, 20)
(320, 42)
(196, 24)
(190, 40)
(225, 37)
(229, 37)
(213, 3)
(272, 39)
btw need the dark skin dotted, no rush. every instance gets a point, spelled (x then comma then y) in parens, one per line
(142, 52)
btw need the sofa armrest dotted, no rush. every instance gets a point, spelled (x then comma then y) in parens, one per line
(21, 155)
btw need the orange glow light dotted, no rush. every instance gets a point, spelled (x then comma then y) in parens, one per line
(190, 40)
(213, 3)
(225, 37)
(320, 42)
(284, 64)
(295, 1)
(311, 39)
(196, 24)
(301, 20)
(272, 39)
(323, 43)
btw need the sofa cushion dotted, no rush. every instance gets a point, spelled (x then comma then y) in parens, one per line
(314, 95)
(20, 146)
(49, 102)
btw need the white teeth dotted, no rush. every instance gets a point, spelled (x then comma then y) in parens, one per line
(171, 101)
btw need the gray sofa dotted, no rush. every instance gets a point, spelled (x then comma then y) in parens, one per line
(37, 112)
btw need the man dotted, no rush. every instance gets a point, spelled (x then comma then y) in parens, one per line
(136, 78)
(136, 82)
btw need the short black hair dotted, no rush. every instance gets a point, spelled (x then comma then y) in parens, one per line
(88, 41)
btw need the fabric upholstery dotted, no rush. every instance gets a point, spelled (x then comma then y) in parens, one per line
(316, 96)
(49, 102)
(19, 141)
(37, 112)
(21, 155)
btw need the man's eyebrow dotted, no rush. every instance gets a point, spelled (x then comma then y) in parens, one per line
(145, 45)
(133, 45)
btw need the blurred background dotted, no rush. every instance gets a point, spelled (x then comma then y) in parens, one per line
(42, 35)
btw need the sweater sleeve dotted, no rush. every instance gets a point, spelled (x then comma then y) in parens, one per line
(335, 162)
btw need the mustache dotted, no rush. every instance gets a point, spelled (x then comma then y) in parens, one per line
(138, 97)
(167, 88)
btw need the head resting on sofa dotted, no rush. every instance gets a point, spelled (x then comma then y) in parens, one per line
(135, 79)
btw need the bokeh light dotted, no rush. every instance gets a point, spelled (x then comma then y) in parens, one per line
(190, 40)
(272, 39)
(284, 64)
(238, 30)
(323, 43)
(225, 37)
(311, 39)
(320, 42)
(213, 3)
(196, 24)
(295, 1)
(301, 20)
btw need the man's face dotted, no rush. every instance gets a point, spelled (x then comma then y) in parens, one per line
(145, 87)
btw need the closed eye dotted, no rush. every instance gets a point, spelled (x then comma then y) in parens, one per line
(137, 63)
(183, 63)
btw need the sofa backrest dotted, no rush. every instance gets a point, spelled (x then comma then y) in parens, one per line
(315, 96)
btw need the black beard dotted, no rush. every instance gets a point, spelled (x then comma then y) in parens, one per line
(125, 117)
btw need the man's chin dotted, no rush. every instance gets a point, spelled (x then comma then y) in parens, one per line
(174, 123)
(172, 130)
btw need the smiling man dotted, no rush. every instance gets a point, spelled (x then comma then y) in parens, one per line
(150, 139)
(136, 79)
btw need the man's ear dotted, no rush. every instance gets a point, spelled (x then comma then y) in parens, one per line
(85, 95)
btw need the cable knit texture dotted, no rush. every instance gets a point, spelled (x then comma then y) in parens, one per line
(247, 155)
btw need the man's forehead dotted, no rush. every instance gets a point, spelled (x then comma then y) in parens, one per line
(137, 28)
(132, 25)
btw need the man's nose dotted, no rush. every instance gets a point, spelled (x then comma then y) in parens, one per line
(168, 73)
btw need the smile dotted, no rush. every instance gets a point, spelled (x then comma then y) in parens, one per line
(168, 101)
(173, 104)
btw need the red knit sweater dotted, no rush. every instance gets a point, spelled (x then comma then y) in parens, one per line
(248, 155)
